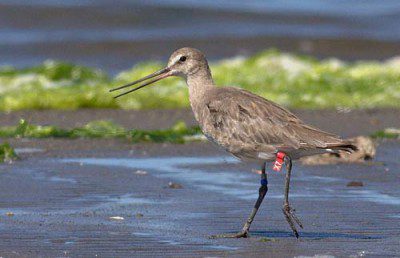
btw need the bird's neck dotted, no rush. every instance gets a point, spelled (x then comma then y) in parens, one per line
(199, 84)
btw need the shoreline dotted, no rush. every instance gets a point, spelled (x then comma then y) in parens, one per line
(116, 56)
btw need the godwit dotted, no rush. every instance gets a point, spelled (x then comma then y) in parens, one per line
(246, 125)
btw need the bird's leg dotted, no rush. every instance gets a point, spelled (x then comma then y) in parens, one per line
(287, 210)
(261, 194)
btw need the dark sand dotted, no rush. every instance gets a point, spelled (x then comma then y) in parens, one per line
(63, 193)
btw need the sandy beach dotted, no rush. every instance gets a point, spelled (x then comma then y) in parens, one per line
(109, 197)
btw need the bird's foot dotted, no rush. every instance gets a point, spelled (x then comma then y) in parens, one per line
(291, 218)
(241, 234)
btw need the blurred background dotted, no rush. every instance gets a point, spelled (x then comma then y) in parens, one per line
(314, 54)
(114, 35)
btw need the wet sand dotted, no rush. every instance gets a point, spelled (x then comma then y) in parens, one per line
(62, 204)
(62, 194)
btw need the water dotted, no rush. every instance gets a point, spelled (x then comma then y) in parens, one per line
(28, 150)
(242, 185)
(215, 198)
(116, 34)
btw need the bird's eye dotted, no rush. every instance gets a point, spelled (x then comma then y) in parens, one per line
(182, 58)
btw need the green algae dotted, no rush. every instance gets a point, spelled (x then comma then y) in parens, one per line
(7, 153)
(179, 133)
(291, 80)
(176, 134)
(388, 133)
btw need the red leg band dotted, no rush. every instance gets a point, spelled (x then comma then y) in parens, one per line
(279, 161)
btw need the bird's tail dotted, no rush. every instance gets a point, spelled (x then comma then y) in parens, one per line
(346, 146)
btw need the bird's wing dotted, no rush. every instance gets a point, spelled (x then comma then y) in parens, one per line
(253, 120)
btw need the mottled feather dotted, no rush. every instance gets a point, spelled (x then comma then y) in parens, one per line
(252, 127)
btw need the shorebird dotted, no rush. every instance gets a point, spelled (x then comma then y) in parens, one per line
(246, 125)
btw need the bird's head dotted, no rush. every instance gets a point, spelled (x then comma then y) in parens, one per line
(187, 61)
(183, 62)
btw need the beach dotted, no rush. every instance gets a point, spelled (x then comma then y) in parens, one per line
(77, 192)
(109, 197)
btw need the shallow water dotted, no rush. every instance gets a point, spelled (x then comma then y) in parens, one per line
(27, 150)
(239, 184)
(108, 26)
(356, 15)
(66, 207)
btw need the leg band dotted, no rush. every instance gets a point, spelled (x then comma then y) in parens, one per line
(279, 161)
(264, 182)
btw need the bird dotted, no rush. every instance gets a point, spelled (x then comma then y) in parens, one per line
(248, 126)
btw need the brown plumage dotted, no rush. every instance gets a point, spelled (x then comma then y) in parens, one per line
(253, 128)
(244, 124)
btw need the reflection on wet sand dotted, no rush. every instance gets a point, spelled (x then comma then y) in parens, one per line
(239, 184)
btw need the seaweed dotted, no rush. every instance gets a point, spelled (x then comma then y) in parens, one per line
(290, 80)
(179, 133)
(388, 133)
(7, 153)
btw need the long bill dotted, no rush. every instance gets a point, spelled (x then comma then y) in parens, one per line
(161, 74)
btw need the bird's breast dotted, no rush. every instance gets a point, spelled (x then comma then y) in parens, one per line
(207, 125)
